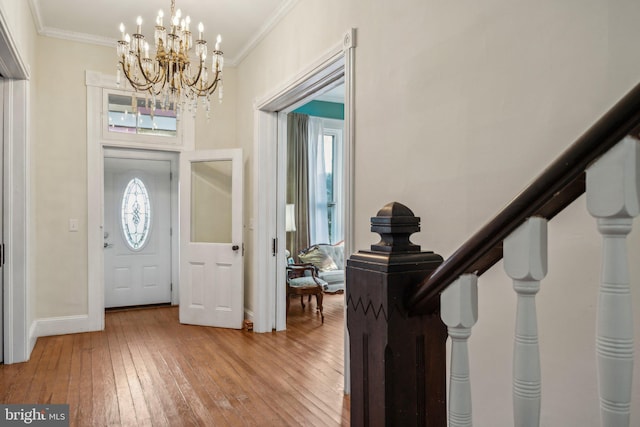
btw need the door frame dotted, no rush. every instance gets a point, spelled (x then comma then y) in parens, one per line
(98, 85)
(269, 195)
(172, 158)
(18, 334)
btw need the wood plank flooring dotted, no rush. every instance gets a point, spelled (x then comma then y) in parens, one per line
(146, 369)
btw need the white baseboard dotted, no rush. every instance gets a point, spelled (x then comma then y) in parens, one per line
(72, 325)
(63, 325)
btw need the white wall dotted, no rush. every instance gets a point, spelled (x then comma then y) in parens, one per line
(458, 106)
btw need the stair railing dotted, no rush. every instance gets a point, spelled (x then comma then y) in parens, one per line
(392, 321)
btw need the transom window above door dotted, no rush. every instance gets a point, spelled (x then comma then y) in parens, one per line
(138, 115)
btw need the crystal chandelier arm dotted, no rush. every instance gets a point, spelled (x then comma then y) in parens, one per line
(186, 78)
(136, 85)
(208, 90)
(154, 79)
(193, 84)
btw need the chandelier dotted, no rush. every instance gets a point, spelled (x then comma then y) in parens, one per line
(177, 75)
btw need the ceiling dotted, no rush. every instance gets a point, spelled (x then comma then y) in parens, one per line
(242, 23)
(334, 95)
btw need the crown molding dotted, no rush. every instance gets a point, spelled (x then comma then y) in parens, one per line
(78, 37)
(66, 35)
(270, 23)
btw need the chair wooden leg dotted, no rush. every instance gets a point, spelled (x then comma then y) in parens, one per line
(302, 301)
(319, 298)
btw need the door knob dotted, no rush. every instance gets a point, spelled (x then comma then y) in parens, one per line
(107, 245)
(235, 247)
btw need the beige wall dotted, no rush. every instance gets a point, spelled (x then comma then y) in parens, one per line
(458, 106)
(219, 130)
(60, 180)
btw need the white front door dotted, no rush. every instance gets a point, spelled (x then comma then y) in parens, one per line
(211, 248)
(137, 231)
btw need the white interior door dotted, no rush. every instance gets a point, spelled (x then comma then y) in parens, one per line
(137, 231)
(211, 248)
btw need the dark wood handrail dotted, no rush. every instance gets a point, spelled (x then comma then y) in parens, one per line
(562, 182)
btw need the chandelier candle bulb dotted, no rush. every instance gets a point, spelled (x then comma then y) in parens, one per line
(122, 30)
(139, 22)
(218, 41)
(200, 31)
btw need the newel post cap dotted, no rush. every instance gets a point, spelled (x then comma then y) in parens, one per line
(395, 223)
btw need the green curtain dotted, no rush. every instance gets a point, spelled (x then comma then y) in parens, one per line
(298, 180)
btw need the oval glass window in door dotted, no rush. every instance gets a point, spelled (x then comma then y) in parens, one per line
(136, 214)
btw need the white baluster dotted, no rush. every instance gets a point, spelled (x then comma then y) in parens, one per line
(459, 308)
(613, 198)
(525, 261)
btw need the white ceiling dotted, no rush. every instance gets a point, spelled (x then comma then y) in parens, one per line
(242, 23)
(334, 95)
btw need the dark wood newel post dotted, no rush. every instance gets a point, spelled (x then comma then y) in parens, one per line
(397, 361)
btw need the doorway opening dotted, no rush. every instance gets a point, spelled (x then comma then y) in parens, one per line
(329, 71)
(140, 213)
(314, 188)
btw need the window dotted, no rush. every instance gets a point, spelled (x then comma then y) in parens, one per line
(329, 148)
(332, 138)
(133, 115)
(136, 214)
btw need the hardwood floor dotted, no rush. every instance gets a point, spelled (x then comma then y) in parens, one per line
(147, 369)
